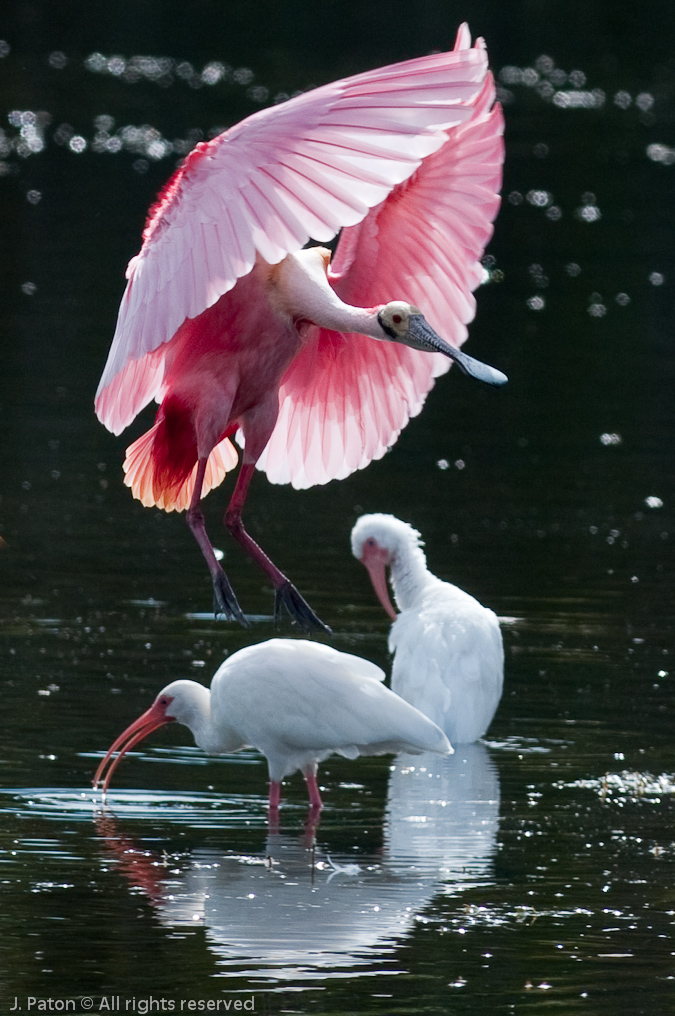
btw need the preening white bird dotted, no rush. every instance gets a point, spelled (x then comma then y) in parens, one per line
(295, 701)
(449, 654)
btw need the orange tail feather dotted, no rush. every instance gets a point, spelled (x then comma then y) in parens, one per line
(153, 482)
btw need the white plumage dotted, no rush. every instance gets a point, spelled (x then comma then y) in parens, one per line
(449, 656)
(295, 701)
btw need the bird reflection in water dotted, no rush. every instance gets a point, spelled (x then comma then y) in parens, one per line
(299, 903)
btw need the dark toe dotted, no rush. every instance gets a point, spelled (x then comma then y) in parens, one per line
(225, 602)
(298, 608)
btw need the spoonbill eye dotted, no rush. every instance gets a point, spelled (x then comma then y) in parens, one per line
(396, 318)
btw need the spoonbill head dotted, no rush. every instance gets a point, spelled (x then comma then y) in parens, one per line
(448, 650)
(236, 330)
(406, 324)
(295, 701)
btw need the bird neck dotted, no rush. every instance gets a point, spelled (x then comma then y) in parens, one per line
(192, 708)
(342, 317)
(409, 575)
(307, 295)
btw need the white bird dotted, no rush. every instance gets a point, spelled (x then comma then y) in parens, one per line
(295, 701)
(449, 655)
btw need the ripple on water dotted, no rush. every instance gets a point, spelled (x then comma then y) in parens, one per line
(199, 810)
(186, 754)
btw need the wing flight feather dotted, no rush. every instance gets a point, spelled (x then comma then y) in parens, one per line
(422, 244)
(343, 146)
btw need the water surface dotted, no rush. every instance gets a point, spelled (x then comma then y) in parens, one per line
(529, 871)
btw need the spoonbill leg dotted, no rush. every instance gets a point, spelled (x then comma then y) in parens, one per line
(284, 591)
(224, 600)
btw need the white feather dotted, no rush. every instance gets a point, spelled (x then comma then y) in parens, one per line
(449, 655)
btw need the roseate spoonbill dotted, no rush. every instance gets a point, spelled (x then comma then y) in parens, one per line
(234, 328)
(295, 701)
(449, 656)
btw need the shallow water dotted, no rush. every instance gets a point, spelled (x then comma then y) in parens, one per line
(529, 871)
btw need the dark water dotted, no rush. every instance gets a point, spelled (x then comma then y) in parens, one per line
(532, 871)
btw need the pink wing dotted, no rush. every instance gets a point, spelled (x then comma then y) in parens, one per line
(305, 168)
(346, 398)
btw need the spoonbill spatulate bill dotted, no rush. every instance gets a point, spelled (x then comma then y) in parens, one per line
(295, 701)
(314, 366)
(449, 655)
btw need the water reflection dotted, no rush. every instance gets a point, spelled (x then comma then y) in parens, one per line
(298, 904)
(444, 808)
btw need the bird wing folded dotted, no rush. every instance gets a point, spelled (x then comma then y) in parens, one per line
(292, 698)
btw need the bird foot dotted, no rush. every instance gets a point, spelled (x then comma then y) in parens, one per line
(298, 608)
(225, 602)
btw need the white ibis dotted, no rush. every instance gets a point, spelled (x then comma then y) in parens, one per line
(449, 656)
(295, 701)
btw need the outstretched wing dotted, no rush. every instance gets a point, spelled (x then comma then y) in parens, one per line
(304, 168)
(346, 398)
